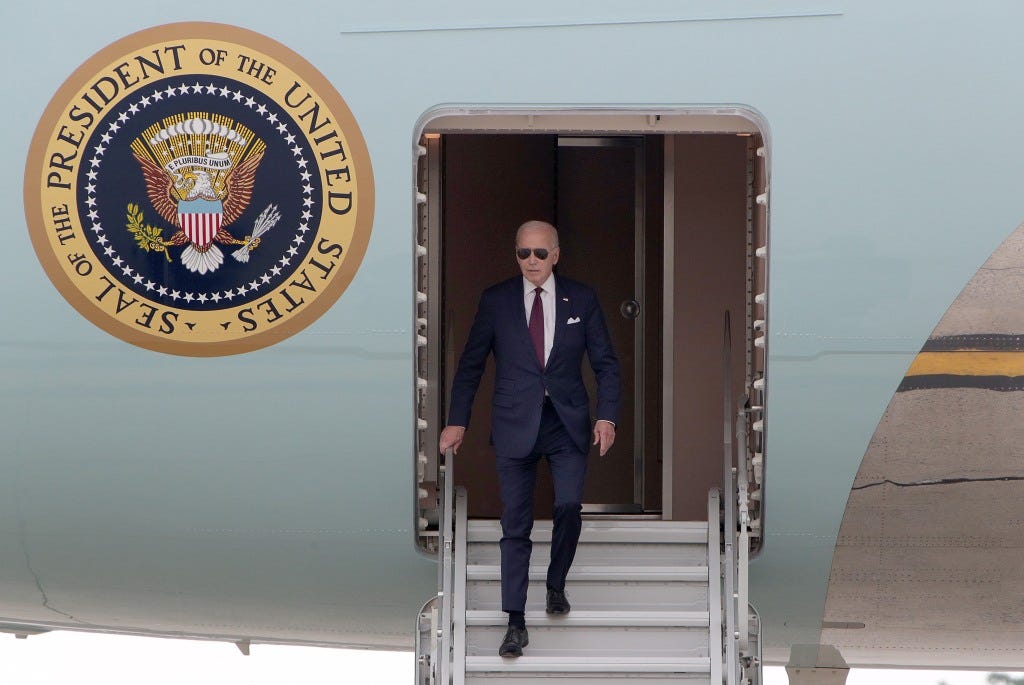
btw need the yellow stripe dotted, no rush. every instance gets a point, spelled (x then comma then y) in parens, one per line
(968, 364)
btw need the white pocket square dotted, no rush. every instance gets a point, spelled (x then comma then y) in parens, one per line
(573, 320)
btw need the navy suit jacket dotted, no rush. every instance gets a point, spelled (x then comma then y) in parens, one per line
(501, 327)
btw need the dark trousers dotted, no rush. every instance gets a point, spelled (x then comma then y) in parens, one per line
(516, 479)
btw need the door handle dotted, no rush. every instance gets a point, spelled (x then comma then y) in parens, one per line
(630, 309)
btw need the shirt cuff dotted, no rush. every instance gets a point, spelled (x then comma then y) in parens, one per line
(606, 421)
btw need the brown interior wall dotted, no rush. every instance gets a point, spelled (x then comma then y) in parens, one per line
(710, 264)
(492, 183)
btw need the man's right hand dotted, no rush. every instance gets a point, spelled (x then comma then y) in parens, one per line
(452, 436)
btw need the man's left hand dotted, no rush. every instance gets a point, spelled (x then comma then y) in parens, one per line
(604, 435)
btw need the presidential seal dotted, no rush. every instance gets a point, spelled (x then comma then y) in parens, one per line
(199, 189)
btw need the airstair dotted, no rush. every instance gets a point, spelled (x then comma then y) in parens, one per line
(647, 603)
(652, 601)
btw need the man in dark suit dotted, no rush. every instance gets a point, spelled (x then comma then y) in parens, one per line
(538, 327)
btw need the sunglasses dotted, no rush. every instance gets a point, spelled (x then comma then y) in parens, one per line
(538, 252)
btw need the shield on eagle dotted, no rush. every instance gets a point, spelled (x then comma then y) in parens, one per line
(200, 220)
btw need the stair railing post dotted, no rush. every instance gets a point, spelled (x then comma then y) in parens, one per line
(715, 585)
(752, 671)
(729, 505)
(446, 570)
(743, 510)
(425, 665)
(459, 589)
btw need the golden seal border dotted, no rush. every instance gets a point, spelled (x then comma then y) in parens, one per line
(356, 150)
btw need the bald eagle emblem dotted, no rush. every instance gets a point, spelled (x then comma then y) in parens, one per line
(200, 171)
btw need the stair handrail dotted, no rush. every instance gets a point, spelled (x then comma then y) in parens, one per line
(446, 566)
(715, 584)
(742, 499)
(458, 625)
(730, 506)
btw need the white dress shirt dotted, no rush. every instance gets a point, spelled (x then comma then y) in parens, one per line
(547, 300)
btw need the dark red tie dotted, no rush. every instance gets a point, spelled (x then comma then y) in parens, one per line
(537, 327)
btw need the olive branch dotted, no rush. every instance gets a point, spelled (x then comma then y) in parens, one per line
(148, 237)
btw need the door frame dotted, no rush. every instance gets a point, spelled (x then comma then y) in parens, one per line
(427, 342)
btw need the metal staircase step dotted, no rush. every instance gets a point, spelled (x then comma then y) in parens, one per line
(684, 619)
(604, 553)
(585, 642)
(476, 572)
(651, 532)
(596, 634)
(589, 665)
(525, 678)
(621, 595)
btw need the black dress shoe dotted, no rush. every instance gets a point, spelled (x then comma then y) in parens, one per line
(515, 640)
(558, 603)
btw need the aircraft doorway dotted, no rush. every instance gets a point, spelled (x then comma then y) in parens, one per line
(593, 190)
(664, 227)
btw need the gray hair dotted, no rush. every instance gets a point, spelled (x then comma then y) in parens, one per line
(536, 223)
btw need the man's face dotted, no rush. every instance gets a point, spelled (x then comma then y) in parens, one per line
(534, 269)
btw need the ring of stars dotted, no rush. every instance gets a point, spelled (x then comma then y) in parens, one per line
(130, 274)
